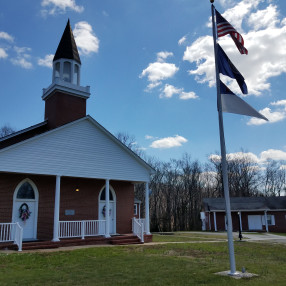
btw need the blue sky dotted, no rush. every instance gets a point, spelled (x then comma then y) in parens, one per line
(150, 67)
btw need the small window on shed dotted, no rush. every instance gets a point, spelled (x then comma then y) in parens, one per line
(26, 192)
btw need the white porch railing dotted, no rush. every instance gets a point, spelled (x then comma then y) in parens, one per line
(138, 228)
(82, 228)
(18, 236)
(11, 232)
(143, 222)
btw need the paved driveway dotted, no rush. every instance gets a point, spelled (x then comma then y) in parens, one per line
(264, 237)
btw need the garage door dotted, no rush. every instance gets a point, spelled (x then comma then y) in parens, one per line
(254, 222)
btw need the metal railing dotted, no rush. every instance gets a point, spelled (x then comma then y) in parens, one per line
(81, 228)
(11, 232)
(138, 228)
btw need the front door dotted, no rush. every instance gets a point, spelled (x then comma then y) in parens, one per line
(25, 208)
(112, 209)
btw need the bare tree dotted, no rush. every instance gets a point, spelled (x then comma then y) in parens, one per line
(243, 175)
(274, 178)
(130, 142)
(6, 130)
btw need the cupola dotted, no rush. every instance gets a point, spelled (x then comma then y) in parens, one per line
(65, 99)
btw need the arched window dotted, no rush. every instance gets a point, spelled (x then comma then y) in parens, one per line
(67, 72)
(26, 191)
(102, 195)
(76, 75)
(57, 70)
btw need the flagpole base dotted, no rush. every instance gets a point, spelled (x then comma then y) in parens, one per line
(236, 274)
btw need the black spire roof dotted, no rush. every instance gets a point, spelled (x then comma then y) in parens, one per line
(67, 48)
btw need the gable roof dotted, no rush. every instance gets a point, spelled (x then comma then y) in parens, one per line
(246, 203)
(23, 134)
(67, 48)
(82, 148)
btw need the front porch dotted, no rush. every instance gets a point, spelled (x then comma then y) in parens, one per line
(123, 239)
(72, 233)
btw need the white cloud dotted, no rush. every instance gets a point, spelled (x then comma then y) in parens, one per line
(169, 90)
(47, 61)
(153, 85)
(168, 142)
(242, 155)
(182, 40)
(236, 156)
(187, 95)
(161, 56)
(149, 137)
(265, 41)
(272, 116)
(23, 57)
(272, 154)
(22, 62)
(201, 52)
(3, 54)
(60, 6)
(159, 71)
(86, 40)
(280, 103)
(6, 36)
(263, 19)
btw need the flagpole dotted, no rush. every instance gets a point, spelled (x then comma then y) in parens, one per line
(223, 158)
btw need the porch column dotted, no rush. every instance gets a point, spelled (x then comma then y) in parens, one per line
(57, 208)
(215, 227)
(107, 208)
(266, 222)
(240, 222)
(210, 223)
(147, 219)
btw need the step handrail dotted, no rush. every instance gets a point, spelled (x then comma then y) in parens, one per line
(11, 232)
(18, 236)
(138, 229)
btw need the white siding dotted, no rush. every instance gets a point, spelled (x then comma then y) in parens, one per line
(80, 149)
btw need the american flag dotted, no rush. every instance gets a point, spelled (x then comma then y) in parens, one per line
(224, 28)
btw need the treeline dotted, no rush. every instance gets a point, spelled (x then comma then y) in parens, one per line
(179, 186)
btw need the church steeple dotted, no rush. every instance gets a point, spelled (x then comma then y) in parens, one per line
(65, 99)
(67, 48)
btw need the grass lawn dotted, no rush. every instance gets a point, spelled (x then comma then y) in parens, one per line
(278, 233)
(161, 264)
(188, 236)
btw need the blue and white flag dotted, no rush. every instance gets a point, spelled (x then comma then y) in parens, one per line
(233, 104)
(226, 67)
